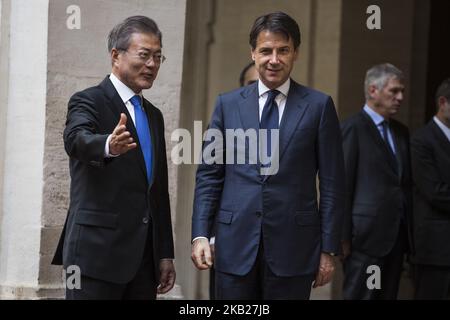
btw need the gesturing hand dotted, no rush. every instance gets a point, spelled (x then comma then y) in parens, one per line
(121, 140)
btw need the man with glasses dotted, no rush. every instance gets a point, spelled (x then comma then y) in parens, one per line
(118, 229)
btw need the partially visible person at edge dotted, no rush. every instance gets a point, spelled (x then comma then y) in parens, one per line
(430, 153)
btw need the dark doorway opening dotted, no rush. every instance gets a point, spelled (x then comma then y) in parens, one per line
(438, 51)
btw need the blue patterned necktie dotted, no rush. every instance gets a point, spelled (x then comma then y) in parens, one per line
(143, 131)
(270, 118)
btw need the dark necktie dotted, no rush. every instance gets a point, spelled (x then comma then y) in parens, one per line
(143, 131)
(270, 119)
(385, 126)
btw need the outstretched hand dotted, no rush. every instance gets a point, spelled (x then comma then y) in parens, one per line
(121, 140)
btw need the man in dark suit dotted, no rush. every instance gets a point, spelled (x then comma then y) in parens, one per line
(430, 153)
(118, 229)
(378, 202)
(272, 237)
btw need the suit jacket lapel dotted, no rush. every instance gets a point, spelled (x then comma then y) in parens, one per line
(442, 139)
(249, 108)
(249, 114)
(379, 141)
(117, 107)
(400, 148)
(293, 113)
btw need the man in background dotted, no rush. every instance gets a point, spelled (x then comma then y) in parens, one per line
(378, 177)
(248, 75)
(430, 153)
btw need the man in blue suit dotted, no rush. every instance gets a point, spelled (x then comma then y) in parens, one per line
(273, 238)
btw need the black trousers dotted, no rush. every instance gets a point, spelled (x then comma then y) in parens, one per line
(391, 266)
(262, 284)
(142, 287)
(432, 282)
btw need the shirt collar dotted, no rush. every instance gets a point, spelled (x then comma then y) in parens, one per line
(125, 93)
(284, 88)
(443, 127)
(376, 117)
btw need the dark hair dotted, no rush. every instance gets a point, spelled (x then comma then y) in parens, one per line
(120, 35)
(443, 91)
(244, 71)
(277, 22)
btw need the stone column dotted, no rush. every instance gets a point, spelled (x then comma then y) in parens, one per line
(23, 97)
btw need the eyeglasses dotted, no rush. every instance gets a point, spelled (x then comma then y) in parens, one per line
(145, 57)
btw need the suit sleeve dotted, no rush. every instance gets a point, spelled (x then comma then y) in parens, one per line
(426, 175)
(209, 178)
(166, 236)
(350, 147)
(82, 139)
(331, 178)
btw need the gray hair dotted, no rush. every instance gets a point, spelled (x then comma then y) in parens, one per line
(120, 36)
(379, 75)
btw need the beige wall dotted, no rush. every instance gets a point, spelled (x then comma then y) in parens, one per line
(199, 19)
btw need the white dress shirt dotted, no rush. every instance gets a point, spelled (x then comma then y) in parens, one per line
(378, 120)
(280, 99)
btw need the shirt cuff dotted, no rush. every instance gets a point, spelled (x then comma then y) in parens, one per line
(106, 152)
(199, 238)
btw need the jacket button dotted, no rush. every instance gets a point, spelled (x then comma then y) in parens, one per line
(145, 220)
